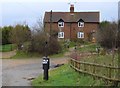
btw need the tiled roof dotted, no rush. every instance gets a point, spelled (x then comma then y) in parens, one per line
(72, 17)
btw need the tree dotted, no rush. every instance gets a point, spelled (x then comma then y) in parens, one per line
(0, 36)
(42, 42)
(107, 34)
(20, 34)
(5, 34)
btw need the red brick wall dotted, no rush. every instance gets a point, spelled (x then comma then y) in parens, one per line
(70, 29)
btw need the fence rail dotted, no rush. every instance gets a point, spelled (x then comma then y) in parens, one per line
(109, 73)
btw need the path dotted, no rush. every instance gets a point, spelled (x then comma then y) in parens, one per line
(7, 54)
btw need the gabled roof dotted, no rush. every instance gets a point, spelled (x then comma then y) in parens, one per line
(72, 17)
(60, 20)
(80, 20)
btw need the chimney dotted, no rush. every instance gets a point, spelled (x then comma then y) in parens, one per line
(72, 8)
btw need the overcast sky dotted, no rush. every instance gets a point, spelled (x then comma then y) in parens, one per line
(30, 11)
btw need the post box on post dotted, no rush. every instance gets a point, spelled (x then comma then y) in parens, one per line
(45, 67)
(46, 63)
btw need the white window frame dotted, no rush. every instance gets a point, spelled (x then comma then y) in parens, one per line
(60, 34)
(61, 23)
(80, 34)
(80, 24)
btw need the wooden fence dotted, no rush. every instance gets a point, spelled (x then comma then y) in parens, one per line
(108, 73)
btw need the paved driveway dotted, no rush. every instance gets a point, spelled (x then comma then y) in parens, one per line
(19, 72)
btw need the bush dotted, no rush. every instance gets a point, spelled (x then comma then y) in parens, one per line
(54, 46)
(106, 35)
(42, 44)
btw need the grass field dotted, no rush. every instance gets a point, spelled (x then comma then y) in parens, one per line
(7, 48)
(66, 76)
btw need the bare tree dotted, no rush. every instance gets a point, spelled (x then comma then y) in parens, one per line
(106, 35)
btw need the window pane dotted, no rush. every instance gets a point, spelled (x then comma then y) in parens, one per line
(80, 34)
(80, 24)
(61, 35)
(60, 24)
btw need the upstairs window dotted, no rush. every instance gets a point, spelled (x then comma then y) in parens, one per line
(80, 24)
(80, 35)
(60, 24)
(60, 34)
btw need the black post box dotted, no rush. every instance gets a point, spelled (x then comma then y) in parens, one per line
(46, 66)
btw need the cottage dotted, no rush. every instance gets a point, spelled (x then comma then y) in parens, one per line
(72, 25)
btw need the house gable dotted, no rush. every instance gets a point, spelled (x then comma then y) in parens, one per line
(80, 20)
(60, 20)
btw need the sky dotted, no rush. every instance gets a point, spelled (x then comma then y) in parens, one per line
(29, 12)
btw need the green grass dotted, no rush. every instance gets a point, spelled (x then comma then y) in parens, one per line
(99, 59)
(88, 48)
(57, 55)
(7, 48)
(21, 54)
(72, 44)
(61, 54)
(66, 76)
(102, 59)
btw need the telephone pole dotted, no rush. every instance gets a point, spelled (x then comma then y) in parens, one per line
(50, 23)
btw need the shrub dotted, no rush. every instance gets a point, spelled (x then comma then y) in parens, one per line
(42, 44)
(106, 35)
(54, 46)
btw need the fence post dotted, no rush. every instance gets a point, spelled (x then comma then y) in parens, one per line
(93, 71)
(84, 67)
(71, 62)
(79, 66)
(109, 71)
(75, 64)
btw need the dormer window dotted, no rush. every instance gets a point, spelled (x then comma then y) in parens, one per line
(80, 23)
(60, 23)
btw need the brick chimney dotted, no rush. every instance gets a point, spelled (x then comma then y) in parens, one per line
(72, 8)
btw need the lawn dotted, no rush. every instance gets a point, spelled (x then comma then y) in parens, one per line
(100, 59)
(7, 47)
(88, 48)
(66, 76)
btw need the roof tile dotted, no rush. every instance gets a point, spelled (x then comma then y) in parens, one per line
(72, 17)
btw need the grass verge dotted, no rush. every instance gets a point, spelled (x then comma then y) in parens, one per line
(21, 54)
(66, 76)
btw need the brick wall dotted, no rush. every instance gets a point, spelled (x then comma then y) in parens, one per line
(70, 29)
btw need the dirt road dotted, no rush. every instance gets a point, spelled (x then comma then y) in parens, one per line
(19, 72)
(7, 54)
